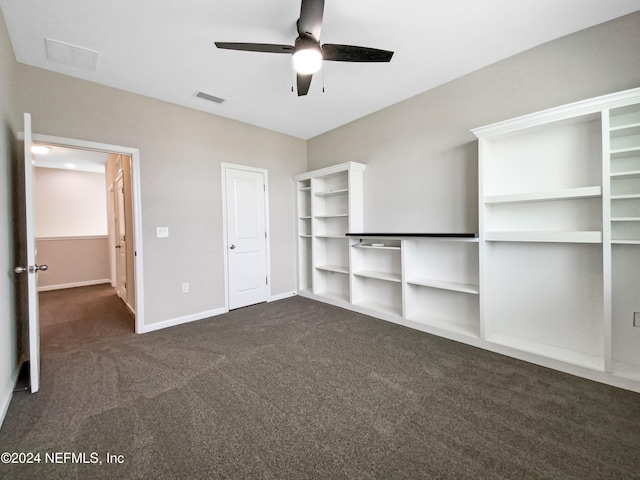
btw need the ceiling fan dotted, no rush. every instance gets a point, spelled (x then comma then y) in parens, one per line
(307, 52)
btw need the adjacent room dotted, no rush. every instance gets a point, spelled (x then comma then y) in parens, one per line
(320, 239)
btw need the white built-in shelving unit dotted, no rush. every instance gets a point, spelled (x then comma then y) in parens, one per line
(552, 277)
(330, 203)
(560, 237)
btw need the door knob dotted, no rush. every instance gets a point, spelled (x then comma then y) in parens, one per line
(31, 269)
(232, 247)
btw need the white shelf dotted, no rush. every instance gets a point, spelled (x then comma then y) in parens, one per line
(377, 247)
(625, 197)
(628, 174)
(389, 277)
(625, 242)
(625, 150)
(337, 215)
(304, 189)
(331, 193)
(456, 287)
(560, 237)
(624, 127)
(305, 217)
(564, 194)
(380, 307)
(305, 236)
(549, 351)
(333, 268)
(625, 219)
(343, 297)
(460, 328)
(331, 236)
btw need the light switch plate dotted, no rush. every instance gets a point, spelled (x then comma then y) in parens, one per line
(162, 232)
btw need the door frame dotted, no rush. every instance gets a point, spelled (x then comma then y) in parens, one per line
(136, 206)
(265, 174)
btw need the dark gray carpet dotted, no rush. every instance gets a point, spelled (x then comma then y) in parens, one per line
(297, 389)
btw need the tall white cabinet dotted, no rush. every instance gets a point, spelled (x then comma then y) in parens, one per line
(559, 234)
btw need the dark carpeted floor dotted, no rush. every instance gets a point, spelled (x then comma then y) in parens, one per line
(297, 389)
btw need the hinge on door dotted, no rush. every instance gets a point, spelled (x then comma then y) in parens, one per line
(266, 279)
(265, 234)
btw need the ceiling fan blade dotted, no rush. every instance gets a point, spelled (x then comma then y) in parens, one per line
(351, 53)
(310, 22)
(256, 47)
(304, 81)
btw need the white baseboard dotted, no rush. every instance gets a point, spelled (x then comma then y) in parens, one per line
(74, 285)
(7, 395)
(181, 320)
(281, 296)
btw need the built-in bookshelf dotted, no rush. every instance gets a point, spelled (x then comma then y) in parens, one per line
(559, 234)
(624, 177)
(329, 205)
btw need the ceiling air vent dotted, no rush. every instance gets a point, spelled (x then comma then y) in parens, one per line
(210, 98)
(67, 54)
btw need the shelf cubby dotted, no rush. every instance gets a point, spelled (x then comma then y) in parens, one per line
(442, 290)
(333, 225)
(448, 309)
(537, 159)
(625, 274)
(378, 259)
(549, 294)
(625, 139)
(566, 215)
(305, 264)
(331, 284)
(624, 117)
(380, 295)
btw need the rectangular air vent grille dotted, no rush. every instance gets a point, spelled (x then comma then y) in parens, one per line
(67, 54)
(210, 98)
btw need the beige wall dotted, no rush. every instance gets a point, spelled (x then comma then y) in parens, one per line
(73, 261)
(422, 172)
(8, 115)
(180, 155)
(69, 203)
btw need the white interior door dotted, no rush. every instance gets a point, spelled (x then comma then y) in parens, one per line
(30, 268)
(121, 237)
(246, 237)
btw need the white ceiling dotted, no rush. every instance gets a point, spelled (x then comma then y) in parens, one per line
(166, 50)
(72, 159)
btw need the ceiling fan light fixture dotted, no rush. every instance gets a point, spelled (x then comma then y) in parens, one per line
(307, 61)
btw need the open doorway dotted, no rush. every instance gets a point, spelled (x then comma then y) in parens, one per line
(83, 220)
(121, 266)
